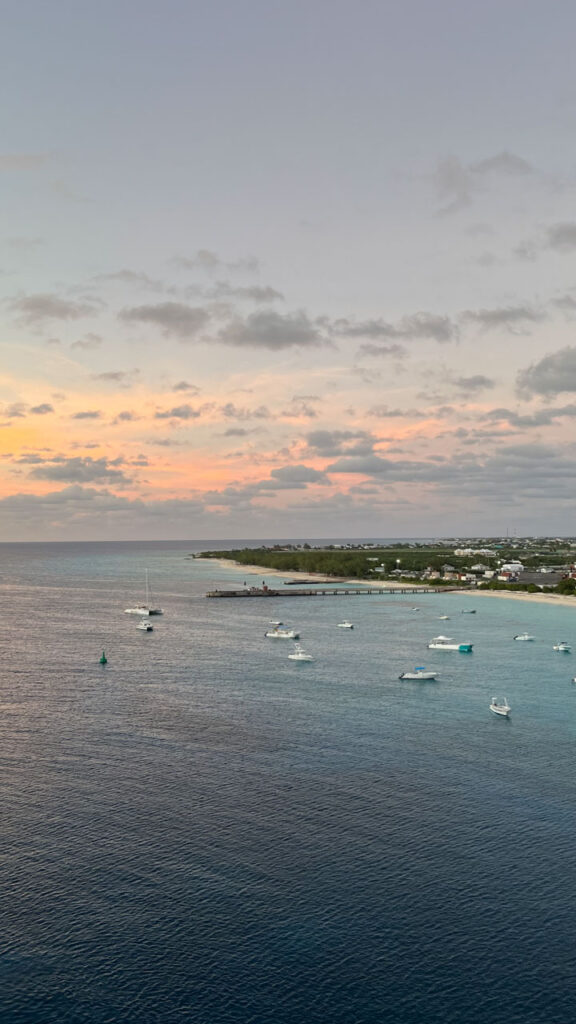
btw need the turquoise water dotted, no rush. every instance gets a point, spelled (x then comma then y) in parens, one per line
(204, 831)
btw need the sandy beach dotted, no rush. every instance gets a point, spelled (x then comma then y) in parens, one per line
(263, 572)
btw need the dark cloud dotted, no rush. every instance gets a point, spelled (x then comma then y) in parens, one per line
(513, 318)
(384, 412)
(270, 330)
(175, 319)
(42, 410)
(38, 309)
(414, 327)
(126, 417)
(329, 443)
(541, 418)
(179, 412)
(552, 375)
(123, 377)
(298, 475)
(233, 412)
(80, 470)
(183, 385)
(87, 414)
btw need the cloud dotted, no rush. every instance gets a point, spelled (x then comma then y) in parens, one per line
(513, 318)
(123, 377)
(541, 418)
(126, 417)
(552, 375)
(80, 470)
(295, 475)
(254, 293)
(179, 412)
(88, 342)
(473, 384)
(457, 183)
(22, 161)
(382, 351)
(175, 319)
(132, 277)
(87, 414)
(183, 385)
(329, 443)
(561, 237)
(271, 330)
(37, 309)
(42, 410)
(14, 411)
(233, 412)
(416, 326)
(210, 263)
(503, 163)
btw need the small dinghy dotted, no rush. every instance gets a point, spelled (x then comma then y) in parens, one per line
(145, 626)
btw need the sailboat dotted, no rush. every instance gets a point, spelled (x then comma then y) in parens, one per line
(146, 608)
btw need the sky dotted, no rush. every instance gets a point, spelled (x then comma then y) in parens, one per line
(287, 269)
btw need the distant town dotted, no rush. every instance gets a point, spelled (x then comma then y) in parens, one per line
(529, 563)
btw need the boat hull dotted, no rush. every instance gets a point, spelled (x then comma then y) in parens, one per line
(418, 675)
(464, 648)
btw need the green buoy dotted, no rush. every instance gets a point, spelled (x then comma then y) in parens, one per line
(103, 659)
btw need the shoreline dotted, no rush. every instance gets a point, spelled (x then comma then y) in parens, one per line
(261, 570)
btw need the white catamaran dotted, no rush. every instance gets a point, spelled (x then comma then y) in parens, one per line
(146, 608)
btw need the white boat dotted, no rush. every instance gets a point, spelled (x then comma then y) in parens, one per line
(415, 609)
(345, 625)
(299, 654)
(500, 707)
(524, 636)
(443, 616)
(145, 625)
(278, 632)
(146, 608)
(562, 646)
(447, 643)
(418, 673)
(468, 611)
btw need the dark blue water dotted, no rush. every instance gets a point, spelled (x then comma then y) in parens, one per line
(204, 831)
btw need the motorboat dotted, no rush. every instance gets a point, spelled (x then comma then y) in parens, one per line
(562, 646)
(299, 654)
(447, 643)
(524, 636)
(468, 611)
(146, 608)
(418, 673)
(500, 707)
(279, 632)
(145, 625)
(345, 625)
(415, 609)
(443, 616)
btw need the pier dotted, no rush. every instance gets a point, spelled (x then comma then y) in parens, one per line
(331, 592)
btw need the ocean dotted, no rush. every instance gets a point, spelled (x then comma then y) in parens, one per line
(205, 832)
